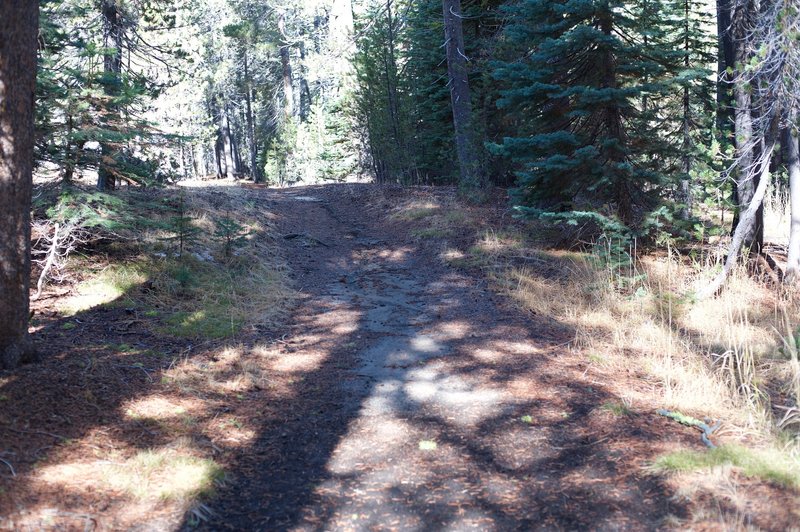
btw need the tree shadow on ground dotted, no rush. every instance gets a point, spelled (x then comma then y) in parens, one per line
(470, 417)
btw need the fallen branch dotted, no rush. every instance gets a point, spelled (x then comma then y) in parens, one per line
(13, 473)
(746, 221)
(48, 265)
(43, 433)
(65, 239)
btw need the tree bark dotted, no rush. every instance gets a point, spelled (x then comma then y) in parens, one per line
(746, 181)
(219, 155)
(235, 155)
(467, 146)
(18, 35)
(286, 69)
(112, 68)
(790, 141)
(224, 152)
(251, 130)
(726, 59)
(685, 191)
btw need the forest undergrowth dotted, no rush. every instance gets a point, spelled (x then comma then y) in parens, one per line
(733, 358)
(139, 402)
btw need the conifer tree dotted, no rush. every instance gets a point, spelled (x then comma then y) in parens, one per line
(579, 75)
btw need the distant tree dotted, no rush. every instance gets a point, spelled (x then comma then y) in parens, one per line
(18, 42)
(380, 105)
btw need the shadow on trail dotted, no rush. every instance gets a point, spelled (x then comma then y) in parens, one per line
(426, 407)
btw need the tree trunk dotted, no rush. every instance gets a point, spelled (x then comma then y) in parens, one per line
(467, 146)
(726, 55)
(224, 152)
(286, 68)
(183, 164)
(614, 154)
(219, 155)
(745, 180)
(192, 162)
(759, 173)
(18, 34)
(790, 141)
(235, 156)
(685, 192)
(251, 130)
(70, 157)
(112, 68)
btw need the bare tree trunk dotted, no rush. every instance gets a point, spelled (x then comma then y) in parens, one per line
(18, 33)
(746, 182)
(726, 55)
(191, 168)
(286, 68)
(224, 144)
(758, 172)
(235, 155)
(251, 130)
(219, 154)
(467, 146)
(184, 166)
(305, 92)
(112, 67)
(685, 193)
(790, 141)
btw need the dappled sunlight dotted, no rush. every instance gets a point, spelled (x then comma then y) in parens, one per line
(141, 483)
(298, 362)
(161, 407)
(396, 435)
(231, 371)
(106, 287)
(234, 432)
(453, 329)
(454, 398)
(396, 255)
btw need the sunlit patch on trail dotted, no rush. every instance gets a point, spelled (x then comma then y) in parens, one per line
(161, 407)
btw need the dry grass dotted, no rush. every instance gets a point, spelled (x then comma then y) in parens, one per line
(201, 293)
(720, 357)
(163, 474)
(194, 414)
(735, 357)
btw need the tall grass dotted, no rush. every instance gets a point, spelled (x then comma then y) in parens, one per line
(721, 357)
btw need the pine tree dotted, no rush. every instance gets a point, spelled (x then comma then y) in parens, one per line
(589, 145)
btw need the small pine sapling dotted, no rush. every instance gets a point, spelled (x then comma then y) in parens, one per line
(186, 233)
(231, 233)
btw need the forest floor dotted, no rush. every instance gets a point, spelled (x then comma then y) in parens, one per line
(400, 392)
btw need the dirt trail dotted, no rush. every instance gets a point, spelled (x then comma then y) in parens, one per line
(412, 384)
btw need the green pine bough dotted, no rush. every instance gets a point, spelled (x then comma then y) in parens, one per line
(689, 421)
